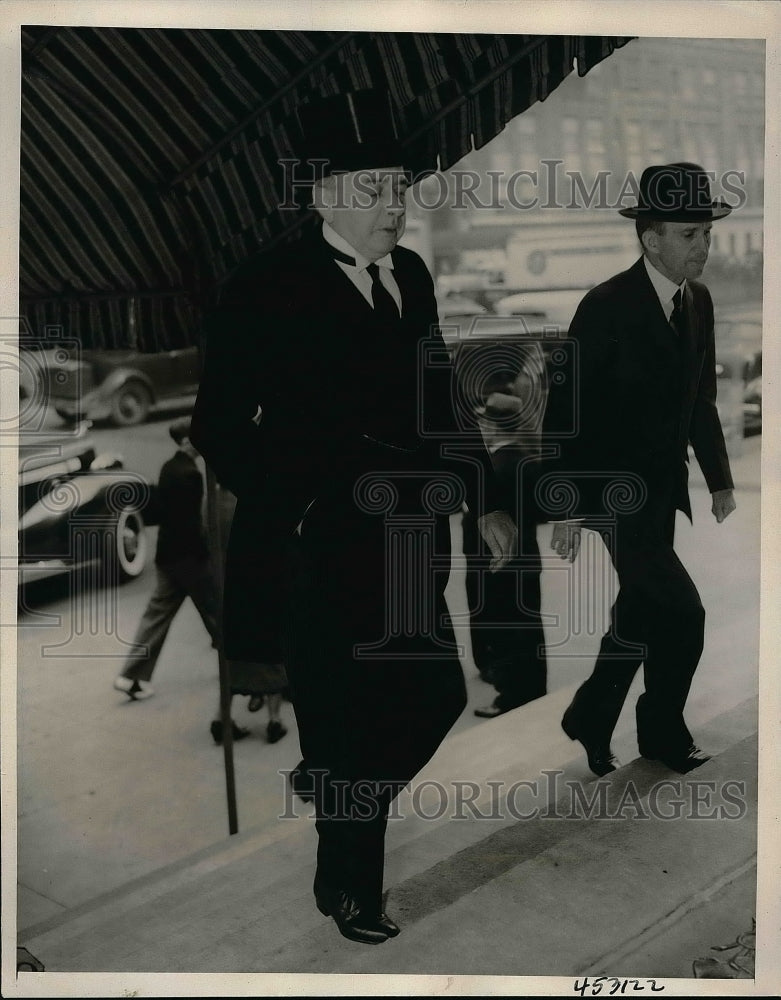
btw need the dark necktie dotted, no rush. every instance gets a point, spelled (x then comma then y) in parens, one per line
(677, 317)
(384, 304)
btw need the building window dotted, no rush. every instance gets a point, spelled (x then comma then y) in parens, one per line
(525, 143)
(655, 142)
(634, 148)
(571, 144)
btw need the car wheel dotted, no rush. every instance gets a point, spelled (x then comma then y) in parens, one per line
(127, 544)
(130, 404)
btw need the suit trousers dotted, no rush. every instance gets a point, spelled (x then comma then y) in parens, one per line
(176, 581)
(508, 641)
(374, 691)
(658, 621)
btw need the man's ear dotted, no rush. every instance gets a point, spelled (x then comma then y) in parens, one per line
(650, 241)
(324, 197)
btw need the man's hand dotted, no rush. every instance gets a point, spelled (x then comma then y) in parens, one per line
(723, 504)
(500, 535)
(566, 539)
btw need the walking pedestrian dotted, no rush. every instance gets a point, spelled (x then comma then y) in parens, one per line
(323, 338)
(644, 378)
(182, 566)
(508, 640)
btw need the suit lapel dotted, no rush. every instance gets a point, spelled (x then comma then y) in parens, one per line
(648, 303)
(691, 353)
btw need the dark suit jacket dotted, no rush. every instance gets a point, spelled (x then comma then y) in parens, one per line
(294, 337)
(179, 497)
(634, 397)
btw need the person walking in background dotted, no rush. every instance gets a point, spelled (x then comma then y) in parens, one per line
(265, 684)
(322, 338)
(182, 565)
(645, 382)
(184, 570)
(508, 640)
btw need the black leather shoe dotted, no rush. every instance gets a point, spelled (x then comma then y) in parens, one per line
(490, 711)
(301, 782)
(600, 757)
(239, 733)
(275, 731)
(350, 917)
(681, 761)
(388, 926)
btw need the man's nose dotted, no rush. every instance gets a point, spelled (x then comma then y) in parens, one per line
(394, 203)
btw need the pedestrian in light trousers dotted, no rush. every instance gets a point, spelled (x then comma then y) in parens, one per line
(182, 564)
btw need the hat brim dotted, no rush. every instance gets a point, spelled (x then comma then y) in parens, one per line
(717, 210)
(359, 157)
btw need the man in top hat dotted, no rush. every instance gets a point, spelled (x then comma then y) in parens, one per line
(182, 563)
(644, 380)
(322, 408)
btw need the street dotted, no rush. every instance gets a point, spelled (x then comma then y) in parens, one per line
(109, 790)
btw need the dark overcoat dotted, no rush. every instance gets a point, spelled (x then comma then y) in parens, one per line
(297, 378)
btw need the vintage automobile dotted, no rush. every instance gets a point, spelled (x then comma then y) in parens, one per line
(503, 364)
(752, 392)
(78, 509)
(121, 386)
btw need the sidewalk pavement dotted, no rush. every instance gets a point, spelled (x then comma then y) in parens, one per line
(187, 887)
(641, 873)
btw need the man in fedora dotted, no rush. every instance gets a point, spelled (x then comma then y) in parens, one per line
(321, 409)
(645, 384)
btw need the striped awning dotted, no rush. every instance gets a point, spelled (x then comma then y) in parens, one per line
(150, 157)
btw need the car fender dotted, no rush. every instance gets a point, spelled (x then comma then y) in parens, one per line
(121, 376)
(106, 493)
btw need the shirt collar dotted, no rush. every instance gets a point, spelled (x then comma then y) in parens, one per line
(340, 243)
(663, 287)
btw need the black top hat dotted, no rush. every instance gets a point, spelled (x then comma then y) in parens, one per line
(676, 192)
(351, 131)
(180, 429)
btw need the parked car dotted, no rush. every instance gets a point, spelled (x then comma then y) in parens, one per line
(739, 377)
(459, 305)
(739, 357)
(752, 395)
(121, 386)
(78, 508)
(502, 364)
(558, 306)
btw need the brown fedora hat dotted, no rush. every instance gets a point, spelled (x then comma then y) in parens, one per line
(676, 192)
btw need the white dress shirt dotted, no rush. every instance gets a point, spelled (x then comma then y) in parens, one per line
(358, 274)
(664, 288)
